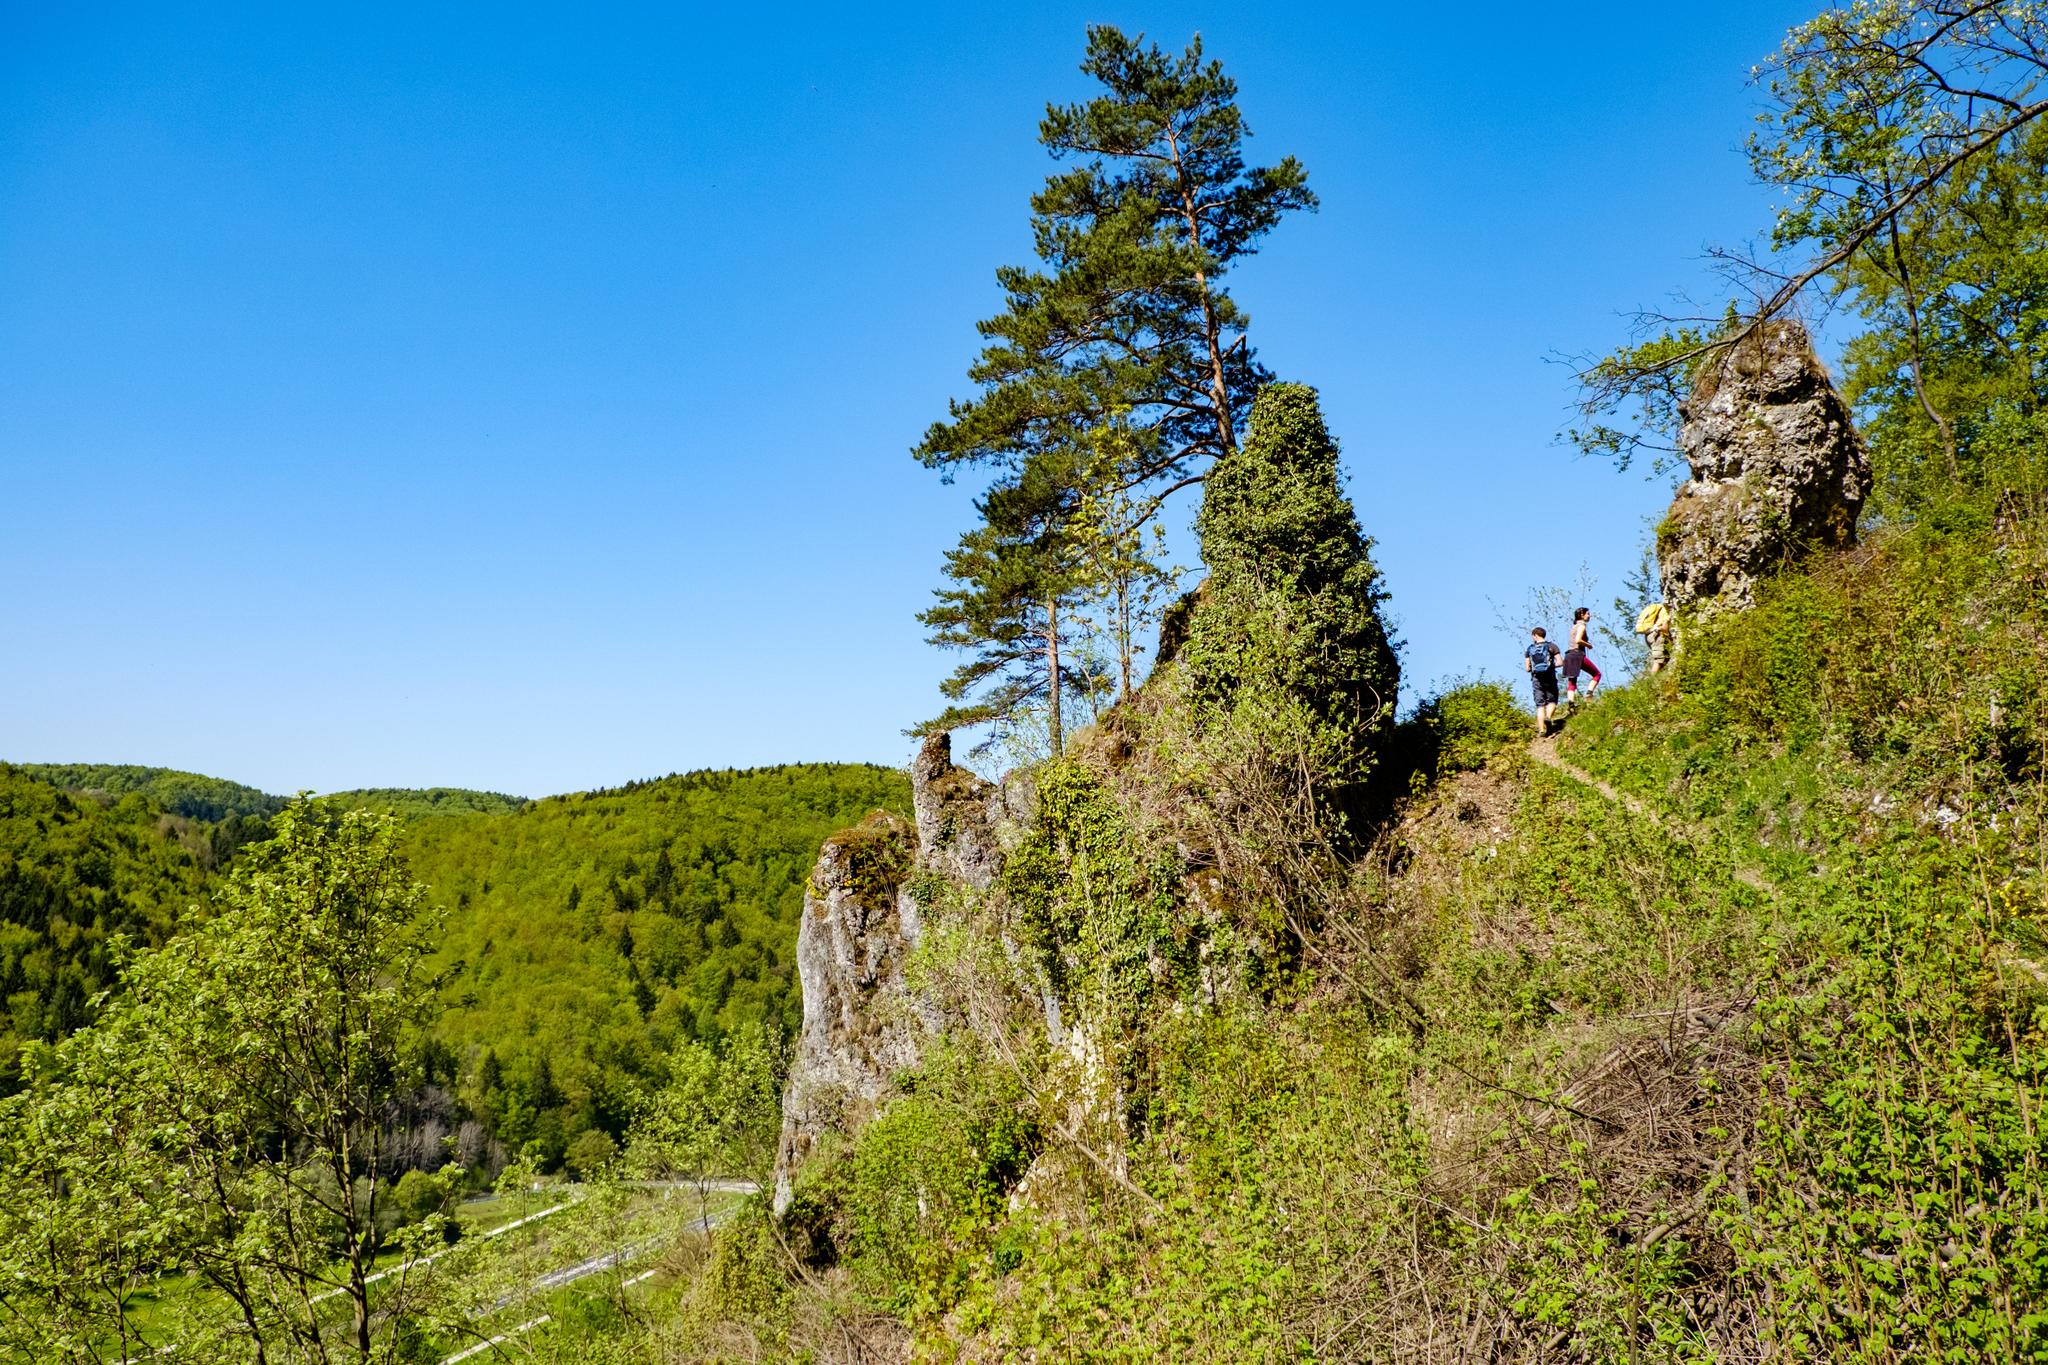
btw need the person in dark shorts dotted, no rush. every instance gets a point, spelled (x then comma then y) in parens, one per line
(1578, 656)
(1539, 661)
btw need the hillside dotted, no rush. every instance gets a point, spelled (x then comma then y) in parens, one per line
(587, 934)
(590, 934)
(1711, 1030)
(191, 795)
(409, 803)
(76, 877)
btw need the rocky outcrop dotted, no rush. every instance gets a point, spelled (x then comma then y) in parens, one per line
(1777, 468)
(958, 814)
(861, 1026)
(862, 1022)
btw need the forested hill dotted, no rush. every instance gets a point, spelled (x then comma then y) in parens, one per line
(75, 873)
(590, 933)
(192, 795)
(410, 803)
(585, 935)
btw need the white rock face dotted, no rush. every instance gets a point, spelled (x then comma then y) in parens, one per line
(1777, 468)
(860, 925)
(862, 1022)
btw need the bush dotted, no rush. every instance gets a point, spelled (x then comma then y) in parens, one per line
(1460, 729)
(590, 1152)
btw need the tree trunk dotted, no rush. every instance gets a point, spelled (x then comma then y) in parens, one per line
(1052, 670)
(1123, 630)
(1219, 388)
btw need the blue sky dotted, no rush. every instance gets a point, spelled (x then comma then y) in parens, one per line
(519, 397)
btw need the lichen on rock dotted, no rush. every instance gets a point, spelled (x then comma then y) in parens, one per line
(1777, 468)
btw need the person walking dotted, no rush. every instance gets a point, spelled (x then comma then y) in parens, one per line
(1539, 661)
(1653, 623)
(1578, 656)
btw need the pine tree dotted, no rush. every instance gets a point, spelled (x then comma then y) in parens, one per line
(1010, 578)
(1128, 311)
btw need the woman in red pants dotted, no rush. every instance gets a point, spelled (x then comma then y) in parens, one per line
(1578, 656)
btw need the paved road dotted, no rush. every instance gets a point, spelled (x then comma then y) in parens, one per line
(555, 1279)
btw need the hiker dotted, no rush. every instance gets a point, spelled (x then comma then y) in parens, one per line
(1578, 657)
(1539, 660)
(1653, 623)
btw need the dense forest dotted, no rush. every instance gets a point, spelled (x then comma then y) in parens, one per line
(80, 881)
(591, 934)
(588, 934)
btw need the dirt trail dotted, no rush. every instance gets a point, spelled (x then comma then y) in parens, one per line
(1544, 751)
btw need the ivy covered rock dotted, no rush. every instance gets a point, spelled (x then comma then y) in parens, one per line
(1290, 615)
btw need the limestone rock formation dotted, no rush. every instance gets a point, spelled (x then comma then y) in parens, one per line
(862, 1022)
(958, 816)
(860, 924)
(1777, 467)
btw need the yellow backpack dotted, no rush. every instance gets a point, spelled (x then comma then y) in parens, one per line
(1653, 619)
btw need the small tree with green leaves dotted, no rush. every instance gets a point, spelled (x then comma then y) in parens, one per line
(233, 1114)
(719, 1116)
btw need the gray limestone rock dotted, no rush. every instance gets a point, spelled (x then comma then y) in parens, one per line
(862, 1022)
(1777, 468)
(958, 816)
(861, 1026)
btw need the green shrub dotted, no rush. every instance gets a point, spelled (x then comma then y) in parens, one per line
(1459, 729)
(1291, 609)
(921, 1192)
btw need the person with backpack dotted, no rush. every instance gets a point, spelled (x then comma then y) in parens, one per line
(1539, 661)
(1653, 623)
(1578, 656)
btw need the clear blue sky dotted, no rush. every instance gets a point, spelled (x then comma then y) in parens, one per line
(519, 397)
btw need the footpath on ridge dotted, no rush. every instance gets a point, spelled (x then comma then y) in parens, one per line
(1544, 751)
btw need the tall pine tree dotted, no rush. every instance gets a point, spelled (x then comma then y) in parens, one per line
(1125, 319)
(1127, 310)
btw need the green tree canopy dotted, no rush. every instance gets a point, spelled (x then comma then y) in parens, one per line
(1291, 610)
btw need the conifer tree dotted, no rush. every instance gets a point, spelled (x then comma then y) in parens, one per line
(1011, 576)
(1291, 611)
(1128, 310)
(1125, 319)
